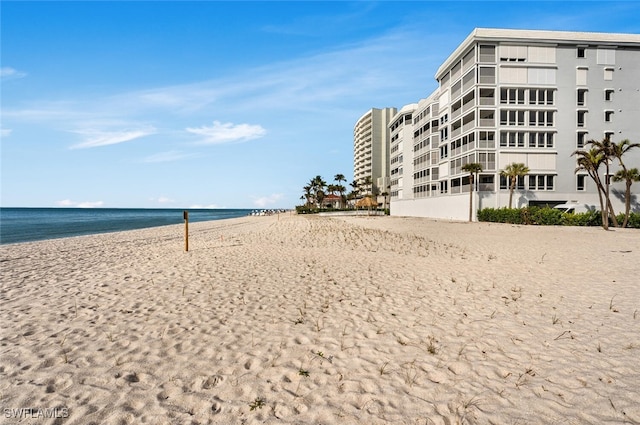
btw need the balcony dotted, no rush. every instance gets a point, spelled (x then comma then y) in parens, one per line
(487, 118)
(487, 97)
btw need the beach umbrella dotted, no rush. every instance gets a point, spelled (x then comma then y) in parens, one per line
(366, 202)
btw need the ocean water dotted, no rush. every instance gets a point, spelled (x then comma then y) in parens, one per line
(33, 224)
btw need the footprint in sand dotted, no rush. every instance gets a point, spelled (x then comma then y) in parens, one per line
(212, 381)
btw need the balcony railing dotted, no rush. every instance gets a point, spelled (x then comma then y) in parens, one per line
(487, 122)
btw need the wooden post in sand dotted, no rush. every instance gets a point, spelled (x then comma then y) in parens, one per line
(185, 215)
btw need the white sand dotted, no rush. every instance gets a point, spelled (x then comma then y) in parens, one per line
(403, 321)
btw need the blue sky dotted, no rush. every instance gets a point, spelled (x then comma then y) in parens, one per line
(222, 104)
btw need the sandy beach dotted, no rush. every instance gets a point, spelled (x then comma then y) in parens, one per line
(323, 320)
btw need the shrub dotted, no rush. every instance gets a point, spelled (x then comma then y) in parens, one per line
(548, 217)
(500, 215)
(590, 218)
(634, 220)
(544, 216)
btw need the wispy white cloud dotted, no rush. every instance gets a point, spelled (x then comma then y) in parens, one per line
(227, 132)
(5, 132)
(95, 138)
(265, 201)
(7, 73)
(326, 81)
(205, 207)
(169, 156)
(84, 204)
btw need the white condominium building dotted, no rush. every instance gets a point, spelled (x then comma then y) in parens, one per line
(516, 96)
(371, 149)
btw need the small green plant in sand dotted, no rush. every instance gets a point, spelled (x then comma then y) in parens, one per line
(303, 374)
(323, 357)
(258, 403)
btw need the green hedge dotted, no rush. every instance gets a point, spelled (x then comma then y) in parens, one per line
(549, 216)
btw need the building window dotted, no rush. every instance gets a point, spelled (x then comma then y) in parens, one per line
(444, 187)
(486, 75)
(486, 183)
(608, 74)
(581, 76)
(581, 118)
(487, 118)
(582, 97)
(444, 134)
(512, 117)
(581, 137)
(541, 139)
(540, 97)
(608, 95)
(581, 180)
(606, 56)
(505, 183)
(444, 151)
(512, 139)
(581, 52)
(608, 135)
(513, 53)
(487, 53)
(608, 116)
(541, 182)
(487, 160)
(541, 118)
(487, 139)
(512, 96)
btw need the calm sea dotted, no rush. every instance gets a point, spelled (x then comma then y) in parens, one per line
(34, 224)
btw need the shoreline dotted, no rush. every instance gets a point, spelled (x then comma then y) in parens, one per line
(88, 222)
(306, 320)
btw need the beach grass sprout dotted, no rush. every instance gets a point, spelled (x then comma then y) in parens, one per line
(258, 403)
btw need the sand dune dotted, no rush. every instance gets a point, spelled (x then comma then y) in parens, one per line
(317, 320)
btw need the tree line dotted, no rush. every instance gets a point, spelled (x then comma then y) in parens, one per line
(317, 189)
(600, 153)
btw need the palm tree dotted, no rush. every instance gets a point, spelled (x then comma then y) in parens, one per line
(619, 149)
(590, 161)
(340, 178)
(368, 184)
(608, 151)
(386, 195)
(355, 189)
(308, 193)
(512, 172)
(629, 176)
(473, 168)
(318, 185)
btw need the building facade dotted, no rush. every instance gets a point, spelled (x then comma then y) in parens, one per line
(371, 149)
(516, 96)
(400, 146)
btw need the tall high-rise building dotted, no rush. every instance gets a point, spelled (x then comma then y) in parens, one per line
(516, 96)
(371, 149)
